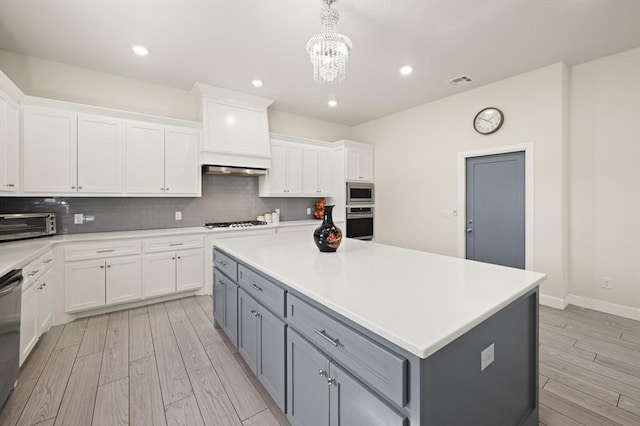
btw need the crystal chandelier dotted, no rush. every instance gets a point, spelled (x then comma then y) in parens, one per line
(329, 51)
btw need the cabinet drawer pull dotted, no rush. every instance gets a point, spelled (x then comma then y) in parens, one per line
(48, 261)
(255, 313)
(176, 244)
(105, 251)
(256, 286)
(325, 336)
(223, 263)
(32, 273)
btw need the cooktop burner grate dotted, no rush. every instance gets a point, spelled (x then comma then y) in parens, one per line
(243, 224)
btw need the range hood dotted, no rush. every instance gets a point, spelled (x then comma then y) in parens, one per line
(232, 171)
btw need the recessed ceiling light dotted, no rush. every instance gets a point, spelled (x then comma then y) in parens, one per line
(140, 50)
(406, 70)
(257, 83)
(332, 103)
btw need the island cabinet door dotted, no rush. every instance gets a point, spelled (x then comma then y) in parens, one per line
(307, 379)
(231, 311)
(219, 300)
(352, 403)
(271, 354)
(248, 329)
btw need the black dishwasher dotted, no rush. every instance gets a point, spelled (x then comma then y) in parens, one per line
(10, 303)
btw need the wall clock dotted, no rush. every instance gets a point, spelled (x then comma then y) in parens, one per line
(488, 121)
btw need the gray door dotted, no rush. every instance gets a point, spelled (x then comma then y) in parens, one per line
(271, 354)
(496, 209)
(248, 329)
(353, 404)
(307, 376)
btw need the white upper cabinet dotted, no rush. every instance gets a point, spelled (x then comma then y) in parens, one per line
(100, 154)
(285, 177)
(310, 157)
(49, 149)
(182, 171)
(9, 143)
(359, 164)
(236, 129)
(75, 152)
(317, 171)
(299, 167)
(162, 160)
(145, 158)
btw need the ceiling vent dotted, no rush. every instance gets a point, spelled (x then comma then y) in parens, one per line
(459, 81)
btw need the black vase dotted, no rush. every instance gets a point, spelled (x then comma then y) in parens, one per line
(327, 236)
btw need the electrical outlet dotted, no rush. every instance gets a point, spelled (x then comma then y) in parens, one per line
(607, 282)
(178, 215)
(78, 219)
(487, 357)
(308, 210)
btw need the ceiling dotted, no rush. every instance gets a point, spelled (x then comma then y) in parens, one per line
(228, 43)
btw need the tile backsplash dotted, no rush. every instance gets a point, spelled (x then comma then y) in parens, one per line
(224, 198)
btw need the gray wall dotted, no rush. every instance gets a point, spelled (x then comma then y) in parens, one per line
(224, 198)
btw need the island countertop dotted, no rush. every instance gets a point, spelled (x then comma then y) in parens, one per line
(417, 300)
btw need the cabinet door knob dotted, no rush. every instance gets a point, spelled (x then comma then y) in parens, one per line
(161, 189)
(79, 187)
(101, 266)
(43, 285)
(108, 266)
(322, 373)
(179, 257)
(332, 381)
(73, 187)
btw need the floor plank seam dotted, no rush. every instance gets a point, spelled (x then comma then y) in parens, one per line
(175, 337)
(235, 409)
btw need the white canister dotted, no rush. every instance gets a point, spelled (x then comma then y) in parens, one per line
(275, 217)
(268, 218)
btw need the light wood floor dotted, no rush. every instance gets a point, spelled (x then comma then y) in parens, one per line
(166, 364)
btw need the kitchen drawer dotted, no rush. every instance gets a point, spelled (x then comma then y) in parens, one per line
(382, 369)
(173, 243)
(264, 291)
(102, 250)
(225, 264)
(46, 260)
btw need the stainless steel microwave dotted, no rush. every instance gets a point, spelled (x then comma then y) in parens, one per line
(19, 226)
(359, 193)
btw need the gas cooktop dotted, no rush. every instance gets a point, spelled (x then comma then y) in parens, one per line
(245, 224)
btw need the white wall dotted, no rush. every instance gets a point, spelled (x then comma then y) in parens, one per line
(416, 165)
(305, 127)
(55, 80)
(605, 178)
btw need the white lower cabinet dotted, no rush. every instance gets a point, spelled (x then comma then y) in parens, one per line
(119, 271)
(45, 286)
(166, 273)
(159, 274)
(29, 321)
(35, 315)
(123, 279)
(84, 285)
(189, 270)
(94, 283)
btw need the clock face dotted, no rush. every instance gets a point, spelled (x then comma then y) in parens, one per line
(488, 121)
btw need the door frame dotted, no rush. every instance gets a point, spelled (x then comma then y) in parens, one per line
(528, 187)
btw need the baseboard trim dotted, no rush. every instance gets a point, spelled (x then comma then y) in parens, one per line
(589, 303)
(602, 306)
(552, 301)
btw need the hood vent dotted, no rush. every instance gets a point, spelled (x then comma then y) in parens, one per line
(232, 171)
(459, 81)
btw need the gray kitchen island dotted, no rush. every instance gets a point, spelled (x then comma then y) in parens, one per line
(380, 335)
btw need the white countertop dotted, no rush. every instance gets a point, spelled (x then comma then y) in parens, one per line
(17, 254)
(419, 301)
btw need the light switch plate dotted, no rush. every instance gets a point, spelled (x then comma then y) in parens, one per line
(178, 215)
(487, 357)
